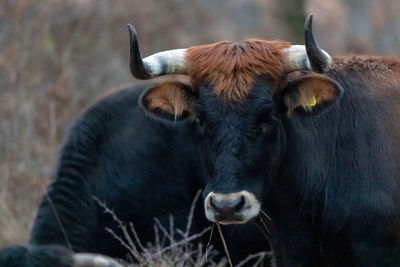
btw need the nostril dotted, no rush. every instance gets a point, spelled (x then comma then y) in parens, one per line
(215, 204)
(236, 204)
(240, 203)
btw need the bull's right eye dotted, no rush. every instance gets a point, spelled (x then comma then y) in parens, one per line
(200, 125)
(266, 120)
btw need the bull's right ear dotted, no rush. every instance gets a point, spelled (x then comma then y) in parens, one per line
(170, 101)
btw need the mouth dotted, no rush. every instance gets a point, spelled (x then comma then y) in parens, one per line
(232, 222)
(236, 219)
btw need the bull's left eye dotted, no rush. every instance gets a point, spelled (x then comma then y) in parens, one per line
(266, 127)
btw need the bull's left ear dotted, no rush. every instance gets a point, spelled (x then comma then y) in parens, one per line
(311, 94)
(169, 101)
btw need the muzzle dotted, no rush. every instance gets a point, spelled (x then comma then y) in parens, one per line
(231, 208)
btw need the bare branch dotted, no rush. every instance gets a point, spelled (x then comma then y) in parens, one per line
(186, 240)
(139, 243)
(209, 241)
(224, 243)
(124, 244)
(259, 256)
(191, 213)
(130, 246)
(165, 231)
(177, 253)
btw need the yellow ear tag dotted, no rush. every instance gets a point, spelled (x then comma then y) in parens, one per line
(313, 101)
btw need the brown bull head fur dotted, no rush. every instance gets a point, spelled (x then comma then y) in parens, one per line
(232, 67)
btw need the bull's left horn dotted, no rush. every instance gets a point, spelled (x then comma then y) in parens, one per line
(94, 260)
(167, 62)
(310, 56)
(319, 59)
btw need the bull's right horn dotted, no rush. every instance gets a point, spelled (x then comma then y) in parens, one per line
(167, 62)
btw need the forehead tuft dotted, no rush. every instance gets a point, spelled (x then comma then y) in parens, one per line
(231, 68)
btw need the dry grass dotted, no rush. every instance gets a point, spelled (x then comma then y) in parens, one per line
(40, 94)
(167, 249)
(172, 246)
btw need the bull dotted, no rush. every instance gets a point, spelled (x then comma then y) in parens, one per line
(267, 128)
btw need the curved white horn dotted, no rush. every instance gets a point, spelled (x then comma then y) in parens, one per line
(296, 58)
(167, 62)
(94, 260)
(310, 56)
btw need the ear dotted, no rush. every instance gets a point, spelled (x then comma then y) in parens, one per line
(311, 94)
(170, 101)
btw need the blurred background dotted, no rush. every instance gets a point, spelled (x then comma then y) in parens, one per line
(58, 56)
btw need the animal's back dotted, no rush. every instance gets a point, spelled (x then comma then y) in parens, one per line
(373, 92)
(363, 194)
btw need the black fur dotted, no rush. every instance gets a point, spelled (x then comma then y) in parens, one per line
(140, 167)
(36, 256)
(329, 182)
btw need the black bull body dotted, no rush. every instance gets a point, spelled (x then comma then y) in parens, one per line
(313, 145)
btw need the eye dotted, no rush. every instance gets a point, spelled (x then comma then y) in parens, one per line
(266, 120)
(200, 125)
(265, 127)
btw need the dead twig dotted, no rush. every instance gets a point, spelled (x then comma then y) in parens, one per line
(186, 240)
(224, 244)
(135, 254)
(130, 245)
(191, 213)
(266, 215)
(53, 208)
(259, 256)
(209, 240)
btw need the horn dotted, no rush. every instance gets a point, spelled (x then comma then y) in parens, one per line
(319, 59)
(310, 56)
(167, 62)
(94, 260)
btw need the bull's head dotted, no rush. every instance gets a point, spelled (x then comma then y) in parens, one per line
(239, 97)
